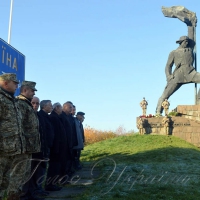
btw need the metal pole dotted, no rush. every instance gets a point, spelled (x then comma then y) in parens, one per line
(195, 65)
(10, 21)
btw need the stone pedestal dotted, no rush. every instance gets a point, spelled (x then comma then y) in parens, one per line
(185, 126)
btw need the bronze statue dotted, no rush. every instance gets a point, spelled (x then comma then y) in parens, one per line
(182, 57)
(143, 105)
(165, 105)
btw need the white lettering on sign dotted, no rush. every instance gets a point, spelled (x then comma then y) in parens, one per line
(8, 60)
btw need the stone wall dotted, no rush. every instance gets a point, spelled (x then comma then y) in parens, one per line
(186, 126)
(189, 111)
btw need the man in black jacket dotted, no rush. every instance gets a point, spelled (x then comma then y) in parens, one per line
(57, 163)
(69, 124)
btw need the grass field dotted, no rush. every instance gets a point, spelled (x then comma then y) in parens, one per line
(143, 167)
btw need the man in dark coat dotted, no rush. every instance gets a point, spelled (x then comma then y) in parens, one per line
(81, 139)
(46, 137)
(45, 109)
(57, 163)
(69, 125)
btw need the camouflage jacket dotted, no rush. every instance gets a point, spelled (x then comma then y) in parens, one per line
(12, 141)
(143, 104)
(30, 125)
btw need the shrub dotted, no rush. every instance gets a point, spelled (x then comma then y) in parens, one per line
(173, 113)
(92, 135)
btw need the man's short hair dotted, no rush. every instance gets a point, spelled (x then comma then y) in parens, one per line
(55, 105)
(43, 103)
(69, 102)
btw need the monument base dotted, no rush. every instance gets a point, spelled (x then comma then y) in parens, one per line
(186, 126)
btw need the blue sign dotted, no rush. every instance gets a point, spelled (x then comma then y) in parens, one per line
(12, 61)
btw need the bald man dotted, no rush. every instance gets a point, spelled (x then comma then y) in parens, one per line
(35, 103)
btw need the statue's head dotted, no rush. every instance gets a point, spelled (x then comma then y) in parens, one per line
(183, 41)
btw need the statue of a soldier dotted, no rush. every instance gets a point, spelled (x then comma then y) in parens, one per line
(166, 124)
(165, 105)
(143, 105)
(182, 57)
(140, 126)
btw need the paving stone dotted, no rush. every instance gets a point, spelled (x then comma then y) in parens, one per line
(80, 180)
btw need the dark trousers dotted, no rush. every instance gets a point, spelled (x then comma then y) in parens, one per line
(53, 173)
(38, 177)
(76, 158)
(38, 171)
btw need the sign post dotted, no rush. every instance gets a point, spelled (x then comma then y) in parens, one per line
(12, 61)
(10, 21)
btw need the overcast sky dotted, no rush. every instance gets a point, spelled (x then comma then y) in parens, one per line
(103, 55)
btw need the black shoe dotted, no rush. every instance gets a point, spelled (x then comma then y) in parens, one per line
(53, 188)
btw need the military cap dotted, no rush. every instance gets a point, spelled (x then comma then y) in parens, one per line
(9, 77)
(80, 113)
(182, 38)
(29, 84)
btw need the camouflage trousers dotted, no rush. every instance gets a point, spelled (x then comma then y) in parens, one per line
(166, 111)
(144, 111)
(14, 170)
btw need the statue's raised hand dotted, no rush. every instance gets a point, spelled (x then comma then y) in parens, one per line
(181, 13)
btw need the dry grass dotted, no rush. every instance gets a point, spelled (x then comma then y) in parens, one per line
(93, 135)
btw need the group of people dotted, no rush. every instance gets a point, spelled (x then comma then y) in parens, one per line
(39, 151)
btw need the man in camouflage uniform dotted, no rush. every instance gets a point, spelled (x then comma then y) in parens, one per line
(143, 105)
(30, 126)
(165, 105)
(13, 160)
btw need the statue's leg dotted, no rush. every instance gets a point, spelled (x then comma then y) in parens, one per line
(171, 87)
